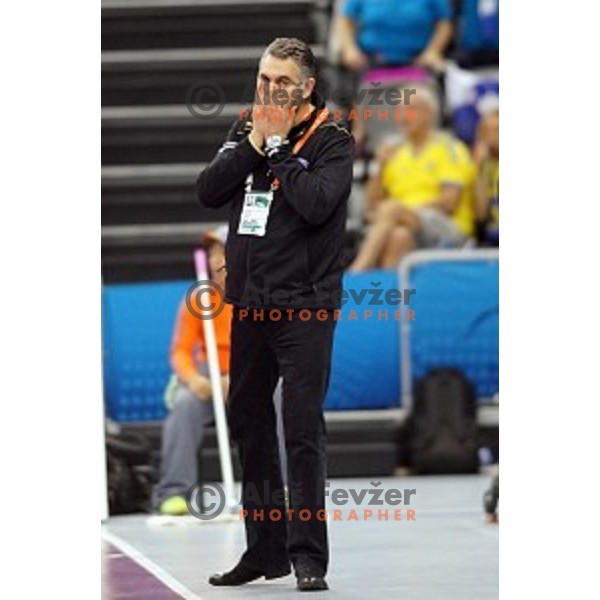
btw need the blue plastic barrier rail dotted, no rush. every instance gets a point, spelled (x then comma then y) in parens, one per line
(456, 317)
(455, 306)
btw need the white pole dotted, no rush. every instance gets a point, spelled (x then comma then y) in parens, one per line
(217, 391)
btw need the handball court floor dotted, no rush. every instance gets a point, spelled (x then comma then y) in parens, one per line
(446, 552)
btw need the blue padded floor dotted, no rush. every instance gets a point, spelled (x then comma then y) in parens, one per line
(447, 552)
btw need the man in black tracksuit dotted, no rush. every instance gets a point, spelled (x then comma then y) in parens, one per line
(284, 276)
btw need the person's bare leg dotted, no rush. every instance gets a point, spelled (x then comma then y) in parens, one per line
(373, 244)
(389, 215)
(400, 242)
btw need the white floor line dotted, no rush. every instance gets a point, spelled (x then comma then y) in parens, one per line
(150, 566)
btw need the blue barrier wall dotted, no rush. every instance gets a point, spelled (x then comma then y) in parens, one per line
(457, 310)
(456, 307)
(366, 361)
(137, 324)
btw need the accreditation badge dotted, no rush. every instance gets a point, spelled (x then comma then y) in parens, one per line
(255, 213)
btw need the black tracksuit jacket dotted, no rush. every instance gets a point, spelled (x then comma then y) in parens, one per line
(298, 263)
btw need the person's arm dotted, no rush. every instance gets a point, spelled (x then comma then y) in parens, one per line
(441, 37)
(347, 29)
(187, 335)
(456, 173)
(351, 55)
(482, 198)
(433, 54)
(376, 188)
(375, 194)
(228, 169)
(448, 200)
(315, 193)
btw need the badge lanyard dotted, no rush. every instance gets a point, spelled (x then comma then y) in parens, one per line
(323, 114)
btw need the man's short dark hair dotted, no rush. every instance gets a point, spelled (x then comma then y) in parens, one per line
(297, 50)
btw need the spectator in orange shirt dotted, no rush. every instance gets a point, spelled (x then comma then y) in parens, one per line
(189, 395)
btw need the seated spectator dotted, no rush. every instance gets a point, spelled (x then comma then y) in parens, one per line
(422, 194)
(412, 34)
(388, 32)
(477, 35)
(486, 154)
(189, 395)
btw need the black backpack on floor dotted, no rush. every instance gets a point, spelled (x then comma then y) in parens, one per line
(443, 425)
(130, 473)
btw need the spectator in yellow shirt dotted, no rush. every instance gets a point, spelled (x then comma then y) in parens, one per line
(422, 194)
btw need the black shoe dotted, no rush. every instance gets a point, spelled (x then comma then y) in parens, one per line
(311, 583)
(241, 574)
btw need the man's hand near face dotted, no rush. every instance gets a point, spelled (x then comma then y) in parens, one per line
(271, 120)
